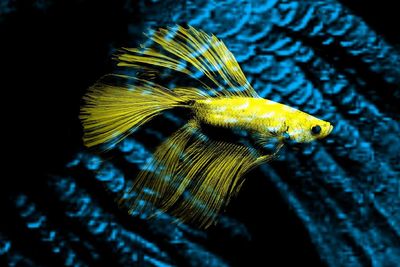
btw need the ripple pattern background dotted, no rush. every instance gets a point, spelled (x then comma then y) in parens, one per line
(317, 56)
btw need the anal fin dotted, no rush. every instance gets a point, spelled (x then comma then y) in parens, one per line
(193, 177)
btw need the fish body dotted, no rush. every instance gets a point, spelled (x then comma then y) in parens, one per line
(191, 175)
(262, 117)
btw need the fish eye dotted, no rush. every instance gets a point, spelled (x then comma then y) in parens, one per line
(316, 129)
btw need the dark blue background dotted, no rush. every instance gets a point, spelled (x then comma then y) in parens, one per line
(335, 203)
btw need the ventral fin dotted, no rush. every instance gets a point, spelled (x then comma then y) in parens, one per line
(191, 177)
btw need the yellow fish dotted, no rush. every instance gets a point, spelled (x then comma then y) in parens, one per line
(192, 176)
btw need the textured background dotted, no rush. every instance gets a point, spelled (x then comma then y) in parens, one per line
(332, 203)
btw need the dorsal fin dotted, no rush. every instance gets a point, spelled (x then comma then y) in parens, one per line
(192, 52)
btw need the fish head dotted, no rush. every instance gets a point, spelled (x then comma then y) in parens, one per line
(304, 128)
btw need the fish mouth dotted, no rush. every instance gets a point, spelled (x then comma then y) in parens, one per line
(330, 129)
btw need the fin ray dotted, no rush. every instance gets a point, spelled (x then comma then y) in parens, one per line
(112, 111)
(191, 176)
(216, 176)
(207, 54)
(159, 174)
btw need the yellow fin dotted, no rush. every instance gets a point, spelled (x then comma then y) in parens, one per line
(215, 171)
(155, 183)
(112, 111)
(183, 49)
(191, 176)
(269, 157)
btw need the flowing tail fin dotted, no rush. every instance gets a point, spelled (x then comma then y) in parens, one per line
(111, 112)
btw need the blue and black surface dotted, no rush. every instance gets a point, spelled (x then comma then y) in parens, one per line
(333, 203)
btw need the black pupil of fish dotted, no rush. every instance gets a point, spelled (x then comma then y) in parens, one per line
(316, 129)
